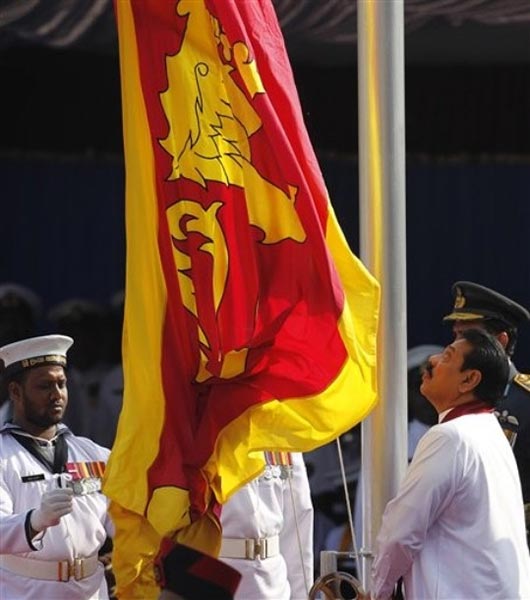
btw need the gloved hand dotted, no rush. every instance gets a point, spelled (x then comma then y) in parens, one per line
(54, 505)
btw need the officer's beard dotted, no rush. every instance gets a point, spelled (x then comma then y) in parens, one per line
(42, 418)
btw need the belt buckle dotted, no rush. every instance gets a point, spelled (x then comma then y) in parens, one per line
(63, 570)
(78, 569)
(255, 548)
(263, 546)
(250, 549)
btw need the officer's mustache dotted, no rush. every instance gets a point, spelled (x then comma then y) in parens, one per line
(426, 367)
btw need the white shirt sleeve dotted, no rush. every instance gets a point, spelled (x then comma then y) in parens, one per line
(427, 489)
(13, 538)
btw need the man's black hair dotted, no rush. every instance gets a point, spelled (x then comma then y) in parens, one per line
(7, 377)
(489, 357)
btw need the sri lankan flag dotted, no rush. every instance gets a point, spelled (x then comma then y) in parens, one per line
(249, 325)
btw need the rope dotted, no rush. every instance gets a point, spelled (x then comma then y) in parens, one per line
(348, 509)
(298, 538)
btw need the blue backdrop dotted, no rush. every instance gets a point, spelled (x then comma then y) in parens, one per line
(62, 231)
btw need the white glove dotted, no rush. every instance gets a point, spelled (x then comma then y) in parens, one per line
(54, 505)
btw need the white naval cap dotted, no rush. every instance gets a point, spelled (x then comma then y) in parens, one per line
(35, 352)
(419, 354)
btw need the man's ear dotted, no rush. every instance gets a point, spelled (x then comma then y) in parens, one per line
(14, 390)
(472, 377)
(503, 339)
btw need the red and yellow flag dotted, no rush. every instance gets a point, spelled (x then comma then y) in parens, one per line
(249, 324)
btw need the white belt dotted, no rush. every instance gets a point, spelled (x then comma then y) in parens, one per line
(63, 570)
(250, 548)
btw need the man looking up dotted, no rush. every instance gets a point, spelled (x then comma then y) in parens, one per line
(480, 307)
(456, 527)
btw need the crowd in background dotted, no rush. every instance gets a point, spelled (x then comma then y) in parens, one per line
(95, 378)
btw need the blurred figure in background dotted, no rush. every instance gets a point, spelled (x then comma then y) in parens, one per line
(84, 321)
(111, 392)
(114, 328)
(20, 309)
(327, 489)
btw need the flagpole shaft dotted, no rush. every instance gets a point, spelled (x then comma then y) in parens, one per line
(383, 251)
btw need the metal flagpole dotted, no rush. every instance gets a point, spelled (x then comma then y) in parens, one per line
(383, 250)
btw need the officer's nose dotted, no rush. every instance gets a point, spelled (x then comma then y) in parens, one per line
(56, 392)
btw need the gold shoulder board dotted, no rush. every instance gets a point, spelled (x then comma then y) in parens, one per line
(523, 380)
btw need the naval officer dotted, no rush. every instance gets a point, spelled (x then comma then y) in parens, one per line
(53, 517)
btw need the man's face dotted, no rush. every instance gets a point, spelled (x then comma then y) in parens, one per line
(40, 401)
(443, 378)
(460, 326)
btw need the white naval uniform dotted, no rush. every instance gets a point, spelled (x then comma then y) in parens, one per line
(455, 530)
(263, 508)
(79, 534)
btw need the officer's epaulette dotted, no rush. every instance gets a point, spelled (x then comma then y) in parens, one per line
(523, 380)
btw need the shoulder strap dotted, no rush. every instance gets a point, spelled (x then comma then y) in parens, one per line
(523, 380)
(60, 456)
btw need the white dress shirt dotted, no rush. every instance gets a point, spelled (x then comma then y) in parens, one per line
(455, 530)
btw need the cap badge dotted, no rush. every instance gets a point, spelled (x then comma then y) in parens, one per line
(460, 300)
